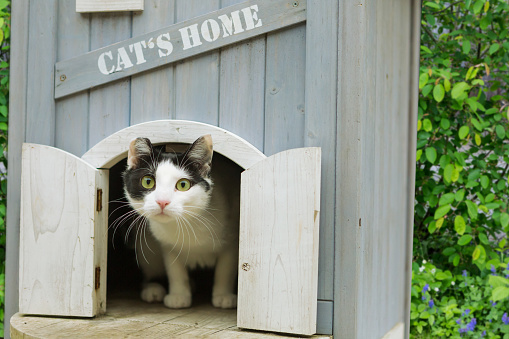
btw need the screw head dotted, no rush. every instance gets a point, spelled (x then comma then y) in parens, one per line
(246, 266)
(63, 77)
(295, 4)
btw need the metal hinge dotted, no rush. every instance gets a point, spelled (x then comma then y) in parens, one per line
(99, 202)
(97, 278)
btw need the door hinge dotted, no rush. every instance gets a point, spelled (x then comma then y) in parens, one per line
(99, 202)
(97, 278)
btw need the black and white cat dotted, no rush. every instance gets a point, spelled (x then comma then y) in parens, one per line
(193, 216)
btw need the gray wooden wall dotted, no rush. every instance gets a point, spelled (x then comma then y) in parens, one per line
(344, 81)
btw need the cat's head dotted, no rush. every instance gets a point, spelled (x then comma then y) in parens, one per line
(163, 186)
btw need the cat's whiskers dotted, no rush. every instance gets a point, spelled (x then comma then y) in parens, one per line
(126, 204)
(119, 222)
(207, 224)
(196, 241)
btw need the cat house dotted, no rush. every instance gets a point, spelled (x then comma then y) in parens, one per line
(315, 100)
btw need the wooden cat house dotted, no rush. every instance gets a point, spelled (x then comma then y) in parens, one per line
(319, 97)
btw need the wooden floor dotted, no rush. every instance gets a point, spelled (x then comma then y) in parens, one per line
(132, 318)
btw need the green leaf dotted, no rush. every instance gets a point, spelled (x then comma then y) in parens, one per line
(497, 281)
(485, 181)
(500, 130)
(460, 194)
(449, 250)
(426, 124)
(476, 254)
(431, 154)
(427, 89)
(418, 155)
(500, 293)
(448, 170)
(471, 209)
(463, 132)
(445, 123)
(441, 211)
(432, 5)
(423, 80)
(456, 260)
(432, 227)
(459, 89)
(446, 199)
(441, 276)
(438, 92)
(459, 225)
(465, 239)
(483, 238)
(478, 5)
(466, 46)
(504, 219)
(447, 85)
(480, 255)
(494, 48)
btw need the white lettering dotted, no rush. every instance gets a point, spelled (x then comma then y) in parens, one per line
(205, 31)
(101, 63)
(188, 33)
(164, 44)
(123, 60)
(138, 50)
(229, 24)
(251, 17)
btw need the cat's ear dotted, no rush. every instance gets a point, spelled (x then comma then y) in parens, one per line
(139, 147)
(199, 155)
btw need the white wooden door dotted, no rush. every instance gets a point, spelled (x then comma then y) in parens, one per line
(278, 247)
(63, 235)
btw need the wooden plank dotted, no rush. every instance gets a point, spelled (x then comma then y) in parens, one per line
(320, 123)
(397, 332)
(58, 195)
(83, 6)
(42, 42)
(242, 87)
(413, 75)
(134, 318)
(18, 104)
(109, 105)
(71, 131)
(152, 92)
(278, 257)
(284, 90)
(114, 148)
(324, 313)
(119, 60)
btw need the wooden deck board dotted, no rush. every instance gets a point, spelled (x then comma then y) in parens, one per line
(132, 318)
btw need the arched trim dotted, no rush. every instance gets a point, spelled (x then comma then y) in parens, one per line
(114, 148)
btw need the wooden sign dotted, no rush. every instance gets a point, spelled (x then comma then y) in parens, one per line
(176, 42)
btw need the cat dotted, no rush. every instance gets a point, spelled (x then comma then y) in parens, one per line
(193, 217)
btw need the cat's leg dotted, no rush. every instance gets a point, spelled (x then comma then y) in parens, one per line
(224, 280)
(180, 289)
(152, 266)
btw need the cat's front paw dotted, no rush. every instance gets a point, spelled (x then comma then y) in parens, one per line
(153, 292)
(177, 301)
(225, 301)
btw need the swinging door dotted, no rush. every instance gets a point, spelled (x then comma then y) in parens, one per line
(278, 258)
(63, 234)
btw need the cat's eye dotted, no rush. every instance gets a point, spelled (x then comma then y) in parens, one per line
(183, 185)
(148, 182)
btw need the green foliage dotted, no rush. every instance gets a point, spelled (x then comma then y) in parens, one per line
(5, 17)
(461, 211)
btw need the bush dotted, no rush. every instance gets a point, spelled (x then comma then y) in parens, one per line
(4, 105)
(461, 217)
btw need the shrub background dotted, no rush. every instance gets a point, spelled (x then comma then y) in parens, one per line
(461, 216)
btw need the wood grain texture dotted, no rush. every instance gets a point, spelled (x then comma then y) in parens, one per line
(17, 103)
(83, 6)
(71, 121)
(83, 72)
(109, 105)
(152, 92)
(320, 122)
(278, 257)
(114, 148)
(134, 318)
(58, 251)
(42, 43)
(241, 88)
(285, 90)
(413, 74)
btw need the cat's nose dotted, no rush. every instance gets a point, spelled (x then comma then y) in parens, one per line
(163, 203)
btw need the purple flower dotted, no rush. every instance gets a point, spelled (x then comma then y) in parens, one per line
(458, 321)
(493, 304)
(425, 288)
(431, 303)
(505, 319)
(507, 268)
(465, 273)
(471, 325)
(483, 333)
(473, 321)
(493, 270)
(463, 330)
(423, 298)
(507, 276)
